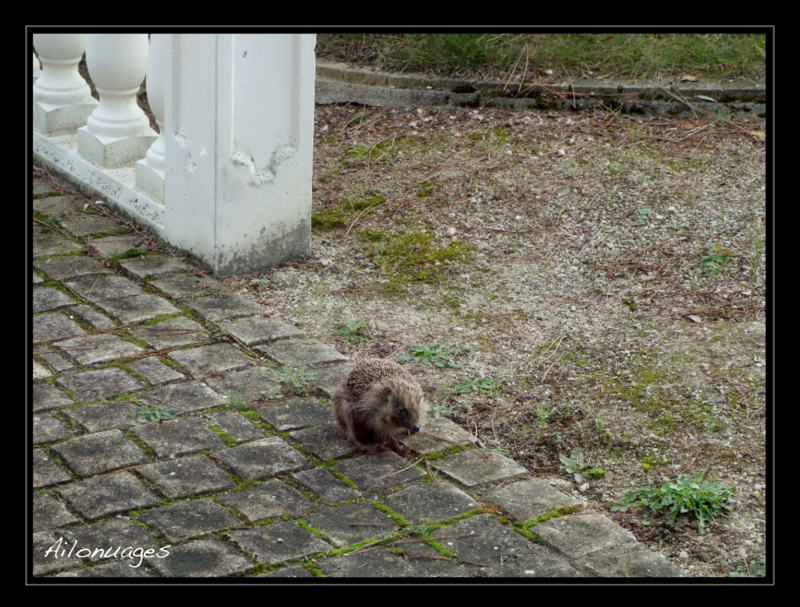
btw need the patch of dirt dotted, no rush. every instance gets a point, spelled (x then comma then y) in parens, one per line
(607, 275)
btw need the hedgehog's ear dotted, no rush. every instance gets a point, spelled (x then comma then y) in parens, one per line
(386, 391)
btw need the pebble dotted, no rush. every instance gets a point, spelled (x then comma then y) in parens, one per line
(451, 231)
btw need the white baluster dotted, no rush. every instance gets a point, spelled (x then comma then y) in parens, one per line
(37, 71)
(118, 131)
(62, 101)
(150, 172)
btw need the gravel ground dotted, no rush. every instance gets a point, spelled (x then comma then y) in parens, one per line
(606, 275)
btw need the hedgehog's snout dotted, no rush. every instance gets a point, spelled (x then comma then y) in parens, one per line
(415, 429)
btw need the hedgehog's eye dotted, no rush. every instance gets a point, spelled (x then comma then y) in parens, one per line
(401, 410)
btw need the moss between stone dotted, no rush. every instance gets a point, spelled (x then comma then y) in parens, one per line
(139, 443)
(226, 438)
(158, 319)
(310, 529)
(555, 513)
(389, 512)
(329, 467)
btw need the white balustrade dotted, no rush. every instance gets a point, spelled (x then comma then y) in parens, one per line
(118, 131)
(150, 171)
(37, 70)
(62, 101)
(228, 176)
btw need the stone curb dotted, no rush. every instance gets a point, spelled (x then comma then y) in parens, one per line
(341, 83)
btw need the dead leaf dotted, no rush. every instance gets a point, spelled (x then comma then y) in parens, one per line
(694, 318)
(689, 78)
(265, 301)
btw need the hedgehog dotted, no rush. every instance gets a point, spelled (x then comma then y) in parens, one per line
(378, 400)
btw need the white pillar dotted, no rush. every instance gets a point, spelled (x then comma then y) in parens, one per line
(37, 71)
(118, 131)
(239, 148)
(62, 101)
(150, 171)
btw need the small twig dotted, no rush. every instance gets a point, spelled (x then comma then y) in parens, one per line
(430, 473)
(551, 366)
(398, 471)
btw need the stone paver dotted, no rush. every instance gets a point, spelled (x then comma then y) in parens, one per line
(54, 360)
(112, 569)
(45, 471)
(47, 397)
(290, 571)
(49, 513)
(187, 476)
(148, 266)
(72, 266)
(85, 224)
(52, 327)
(184, 286)
(57, 205)
(298, 353)
(253, 331)
(40, 371)
(119, 414)
(107, 495)
(47, 429)
(482, 539)
(437, 434)
(329, 488)
(171, 333)
(351, 523)
(49, 243)
(278, 542)
(476, 467)
(102, 384)
(155, 371)
(382, 471)
(104, 288)
(211, 359)
(46, 299)
(95, 349)
(294, 413)
(137, 308)
(262, 459)
(93, 317)
(185, 397)
(324, 442)
(248, 385)
(108, 538)
(202, 558)
(430, 501)
(238, 427)
(178, 522)
(271, 499)
(116, 245)
(224, 307)
(602, 547)
(529, 498)
(99, 452)
(378, 563)
(178, 437)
